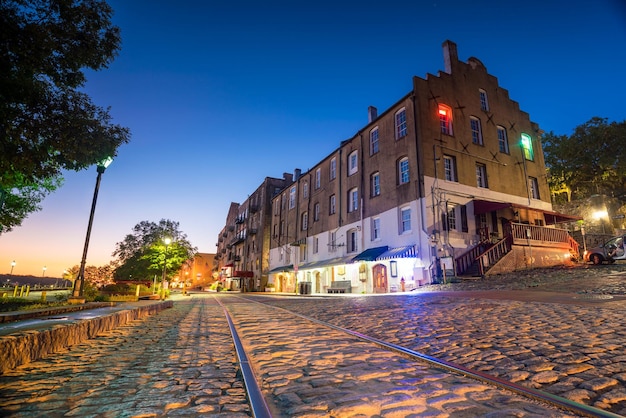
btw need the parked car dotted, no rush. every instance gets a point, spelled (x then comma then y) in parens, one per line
(610, 251)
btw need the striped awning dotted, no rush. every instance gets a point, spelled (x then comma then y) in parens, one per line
(370, 254)
(398, 252)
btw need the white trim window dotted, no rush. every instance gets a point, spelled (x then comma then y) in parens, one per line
(305, 221)
(503, 140)
(318, 178)
(353, 162)
(353, 199)
(401, 123)
(533, 185)
(445, 119)
(484, 103)
(332, 204)
(481, 176)
(352, 240)
(292, 197)
(375, 229)
(374, 141)
(405, 220)
(451, 218)
(449, 168)
(305, 189)
(375, 184)
(403, 171)
(333, 168)
(477, 130)
(316, 212)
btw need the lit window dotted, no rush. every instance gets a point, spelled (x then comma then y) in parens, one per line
(332, 205)
(503, 140)
(484, 103)
(445, 119)
(527, 147)
(353, 200)
(403, 171)
(318, 178)
(376, 184)
(449, 168)
(353, 162)
(477, 132)
(292, 197)
(405, 220)
(481, 176)
(375, 229)
(373, 141)
(316, 212)
(305, 221)
(333, 168)
(533, 185)
(401, 124)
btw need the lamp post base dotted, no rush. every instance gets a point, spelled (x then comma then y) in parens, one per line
(76, 300)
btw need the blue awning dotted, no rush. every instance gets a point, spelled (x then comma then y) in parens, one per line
(281, 269)
(370, 254)
(398, 252)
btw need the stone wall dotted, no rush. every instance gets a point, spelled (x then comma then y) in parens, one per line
(30, 345)
(522, 257)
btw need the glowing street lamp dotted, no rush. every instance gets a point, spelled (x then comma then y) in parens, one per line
(12, 265)
(79, 283)
(44, 271)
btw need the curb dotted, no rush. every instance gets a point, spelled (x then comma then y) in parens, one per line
(22, 348)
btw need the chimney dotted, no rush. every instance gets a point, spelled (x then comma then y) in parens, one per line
(449, 55)
(288, 177)
(372, 114)
(296, 174)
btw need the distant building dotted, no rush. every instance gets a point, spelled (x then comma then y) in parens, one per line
(242, 259)
(450, 180)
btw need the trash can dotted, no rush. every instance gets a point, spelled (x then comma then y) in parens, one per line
(304, 288)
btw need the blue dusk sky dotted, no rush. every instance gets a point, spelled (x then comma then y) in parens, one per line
(220, 95)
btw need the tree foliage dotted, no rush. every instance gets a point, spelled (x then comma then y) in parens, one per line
(47, 124)
(590, 161)
(142, 254)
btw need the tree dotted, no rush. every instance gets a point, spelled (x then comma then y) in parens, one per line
(590, 161)
(142, 254)
(47, 124)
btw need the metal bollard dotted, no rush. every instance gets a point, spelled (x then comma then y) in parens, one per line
(22, 290)
(15, 291)
(27, 290)
(43, 296)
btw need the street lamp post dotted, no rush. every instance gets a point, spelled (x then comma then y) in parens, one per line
(12, 265)
(44, 271)
(167, 242)
(79, 283)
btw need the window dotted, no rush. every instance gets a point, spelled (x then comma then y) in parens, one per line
(374, 141)
(375, 229)
(283, 202)
(451, 218)
(318, 178)
(484, 103)
(353, 200)
(353, 162)
(464, 226)
(276, 207)
(503, 141)
(449, 168)
(403, 171)
(316, 245)
(375, 184)
(405, 220)
(304, 222)
(303, 251)
(292, 197)
(333, 241)
(316, 212)
(352, 241)
(533, 186)
(477, 132)
(332, 207)
(527, 147)
(305, 189)
(401, 124)
(445, 119)
(333, 168)
(481, 176)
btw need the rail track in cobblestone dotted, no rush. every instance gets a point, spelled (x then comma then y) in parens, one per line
(258, 378)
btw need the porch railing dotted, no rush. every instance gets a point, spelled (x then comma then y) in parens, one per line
(490, 257)
(524, 234)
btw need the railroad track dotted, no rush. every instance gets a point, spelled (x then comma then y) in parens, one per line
(294, 365)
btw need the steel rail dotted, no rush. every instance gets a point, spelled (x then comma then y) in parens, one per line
(554, 400)
(255, 396)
